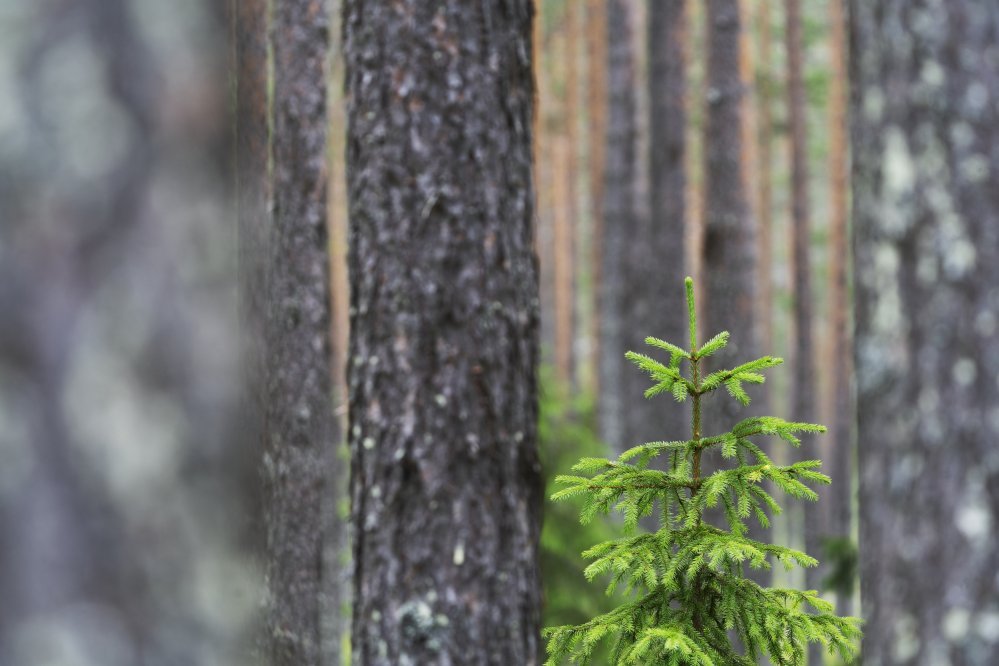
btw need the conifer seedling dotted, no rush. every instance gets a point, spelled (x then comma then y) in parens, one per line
(692, 603)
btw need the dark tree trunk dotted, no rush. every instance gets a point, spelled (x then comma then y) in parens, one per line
(926, 210)
(445, 479)
(729, 229)
(619, 228)
(299, 417)
(662, 269)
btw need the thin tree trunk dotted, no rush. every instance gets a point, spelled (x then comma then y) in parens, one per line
(925, 111)
(563, 221)
(663, 266)
(445, 482)
(300, 426)
(803, 351)
(547, 37)
(839, 364)
(730, 234)
(765, 180)
(596, 90)
(620, 224)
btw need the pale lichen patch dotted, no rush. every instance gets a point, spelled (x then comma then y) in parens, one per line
(906, 644)
(956, 624)
(964, 371)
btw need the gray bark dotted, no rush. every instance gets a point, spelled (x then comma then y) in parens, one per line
(445, 479)
(729, 236)
(115, 339)
(300, 429)
(926, 208)
(663, 268)
(619, 229)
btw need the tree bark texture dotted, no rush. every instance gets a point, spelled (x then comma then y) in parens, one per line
(445, 479)
(925, 107)
(729, 250)
(620, 228)
(299, 417)
(663, 267)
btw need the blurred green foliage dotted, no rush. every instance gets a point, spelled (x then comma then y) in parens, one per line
(567, 432)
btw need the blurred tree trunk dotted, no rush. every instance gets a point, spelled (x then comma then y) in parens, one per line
(926, 210)
(596, 104)
(565, 214)
(730, 235)
(445, 481)
(300, 428)
(765, 156)
(620, 228)
(803, 384)
(662, 266)
(64, 547)
(252, 149)
(838, 444)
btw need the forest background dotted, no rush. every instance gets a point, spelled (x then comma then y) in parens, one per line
(825, 170)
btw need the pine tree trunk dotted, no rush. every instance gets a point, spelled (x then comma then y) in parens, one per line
(445, 480)
(838, 444)
(926, 210)
(596, 91)
(662, 268)
(620, 225)
(803, 351)
(729, 236)
(765, 179)
(299, 418)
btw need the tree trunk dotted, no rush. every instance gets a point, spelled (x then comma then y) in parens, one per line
(803, 351)
(764, 100)
(662, 268)
(299, 418)
(596, 91)
(838, 444)
(445, 480)
(620, 228)
(926, 210)
(730, 235)
(252, 187)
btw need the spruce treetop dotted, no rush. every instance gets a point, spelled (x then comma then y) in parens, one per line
(690, 594)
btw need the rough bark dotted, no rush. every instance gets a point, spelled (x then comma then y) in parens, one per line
(730, 235)
(925, 107)
(299, 419)
(445, 480)
(619, 229)
(662, 268)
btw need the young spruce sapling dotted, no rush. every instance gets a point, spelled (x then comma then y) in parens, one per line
(692, 603)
